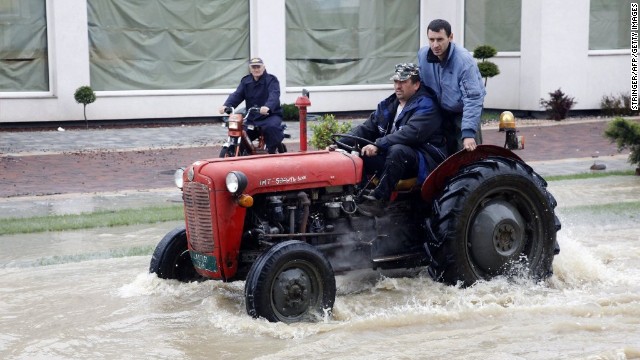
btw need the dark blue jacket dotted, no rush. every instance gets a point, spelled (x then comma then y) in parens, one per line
(418, 126)
(262, 92)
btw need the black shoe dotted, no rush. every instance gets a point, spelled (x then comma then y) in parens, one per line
(372, 206)
(368, 195)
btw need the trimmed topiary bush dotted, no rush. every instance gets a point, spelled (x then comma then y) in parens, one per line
(84, 95)
(487, 68)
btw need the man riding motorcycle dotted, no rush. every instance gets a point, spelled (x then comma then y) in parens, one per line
(260, 89)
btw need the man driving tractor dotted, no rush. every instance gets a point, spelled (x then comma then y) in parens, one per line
(407, 137)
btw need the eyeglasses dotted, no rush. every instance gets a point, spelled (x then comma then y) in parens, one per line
(256, 66)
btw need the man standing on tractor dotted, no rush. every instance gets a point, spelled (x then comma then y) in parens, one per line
(260, 89)
(453, 74)
(406, 131)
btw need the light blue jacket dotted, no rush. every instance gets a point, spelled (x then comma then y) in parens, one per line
(457, 84)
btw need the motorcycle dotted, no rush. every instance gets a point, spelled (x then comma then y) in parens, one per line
(244, 138)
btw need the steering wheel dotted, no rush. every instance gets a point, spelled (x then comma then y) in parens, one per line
(335, 138)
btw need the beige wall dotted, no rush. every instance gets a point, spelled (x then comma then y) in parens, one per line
(554, 53)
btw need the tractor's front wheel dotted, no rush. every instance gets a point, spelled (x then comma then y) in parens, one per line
(495, 217)
(171, 259)
(291, 282)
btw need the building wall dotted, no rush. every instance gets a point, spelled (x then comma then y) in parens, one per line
(554, 54)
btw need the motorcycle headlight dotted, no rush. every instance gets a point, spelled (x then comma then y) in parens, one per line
(233, 125)
(236, 182)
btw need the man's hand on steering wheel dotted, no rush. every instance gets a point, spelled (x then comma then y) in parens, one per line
(369, 150)
(350, 148)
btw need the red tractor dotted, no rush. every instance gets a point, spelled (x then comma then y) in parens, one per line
(286, 223)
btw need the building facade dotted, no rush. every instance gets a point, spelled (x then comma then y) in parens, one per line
(151, 59)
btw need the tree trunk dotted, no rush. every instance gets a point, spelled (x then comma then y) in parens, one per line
(85, 115)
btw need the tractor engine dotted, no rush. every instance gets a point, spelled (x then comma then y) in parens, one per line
(326, 218)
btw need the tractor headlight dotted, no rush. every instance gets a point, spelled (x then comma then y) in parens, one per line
(236, 182)
(177, 178)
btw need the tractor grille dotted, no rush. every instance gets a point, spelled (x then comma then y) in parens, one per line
(197, 207)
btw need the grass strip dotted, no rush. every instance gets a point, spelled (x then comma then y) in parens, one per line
(124, 217)
(625, 209)
(154, 214)
(591, 175)
(109, 254)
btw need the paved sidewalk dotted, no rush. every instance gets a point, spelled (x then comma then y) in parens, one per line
(85, 170)
(544, 139)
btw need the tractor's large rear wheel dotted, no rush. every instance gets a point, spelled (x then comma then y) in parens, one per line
(291, 282)
(495, 217)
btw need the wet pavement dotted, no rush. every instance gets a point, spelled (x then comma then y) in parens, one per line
(80, 170)
(88, 294)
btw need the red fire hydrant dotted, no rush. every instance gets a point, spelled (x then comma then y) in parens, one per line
(301, 103)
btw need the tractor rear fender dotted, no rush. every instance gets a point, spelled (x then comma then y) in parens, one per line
(439, 177)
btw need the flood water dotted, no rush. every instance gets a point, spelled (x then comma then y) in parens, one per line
(87, 294)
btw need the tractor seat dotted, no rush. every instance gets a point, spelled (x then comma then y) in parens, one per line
(403, 184)
(406, 184)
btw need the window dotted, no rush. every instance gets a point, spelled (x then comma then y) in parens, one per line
(492, 22)
(609, 24)
(159, 44)
(23, 46)
(349, 42)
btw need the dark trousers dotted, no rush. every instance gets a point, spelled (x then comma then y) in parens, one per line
(272, 129)
(452, 125)
(400, 162)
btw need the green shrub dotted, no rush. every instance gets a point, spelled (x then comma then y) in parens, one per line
(626, 134)
(484, 52)
(617, 105)
(322, 130)
(610, 105)
(487, 68)
(84, 95)
(290, 112)
(558, 104)
(489, 116)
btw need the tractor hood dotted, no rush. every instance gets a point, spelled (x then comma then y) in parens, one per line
(283, 172)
